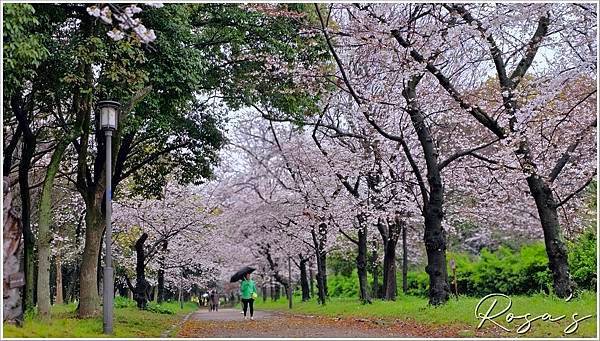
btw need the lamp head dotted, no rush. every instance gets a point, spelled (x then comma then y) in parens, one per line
(109, 114)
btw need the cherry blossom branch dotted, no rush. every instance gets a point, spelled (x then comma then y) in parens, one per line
(475, 111)
(562, 162)
(348, 237)
(465, 153)
(577, 191)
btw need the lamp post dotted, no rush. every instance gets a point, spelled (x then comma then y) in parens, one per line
(109, 111)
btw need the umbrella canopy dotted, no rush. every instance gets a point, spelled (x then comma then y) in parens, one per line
(241, 273)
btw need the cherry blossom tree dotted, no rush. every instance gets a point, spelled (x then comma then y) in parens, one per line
(170, 236)
(369, 37)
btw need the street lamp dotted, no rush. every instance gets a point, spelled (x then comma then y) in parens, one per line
(109, 116)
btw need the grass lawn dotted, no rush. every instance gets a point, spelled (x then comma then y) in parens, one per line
(460, 312)
(129, 322)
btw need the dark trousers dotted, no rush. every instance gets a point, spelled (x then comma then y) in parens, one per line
(248, 302)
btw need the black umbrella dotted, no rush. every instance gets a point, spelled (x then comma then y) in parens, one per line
(241, 273)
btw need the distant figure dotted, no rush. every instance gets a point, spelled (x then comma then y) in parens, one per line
(211, 297)
(214, 300)
(205, 299)
(248, 292)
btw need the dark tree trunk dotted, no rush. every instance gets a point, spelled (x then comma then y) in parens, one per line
(304, 279)
(389, 266)
(404, 261)
(435, 238)
(141, 286)
(361, 265)
(435, 245)
(27, 151)
(161, 275)
(318, 243)
(161, 286)
(320, 285)
(266, 250)
(555, 246)
(311, 277)
(375, 271)
(389, 235)
(10, 149)
(323, 255)
(324, 272)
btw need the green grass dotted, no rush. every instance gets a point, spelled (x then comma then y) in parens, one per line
(129, 322)
(459, 312)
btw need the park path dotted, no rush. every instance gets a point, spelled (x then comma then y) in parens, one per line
(230, 323)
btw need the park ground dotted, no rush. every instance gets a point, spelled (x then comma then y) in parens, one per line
(409, 316)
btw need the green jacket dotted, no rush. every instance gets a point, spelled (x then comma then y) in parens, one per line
(247, 288)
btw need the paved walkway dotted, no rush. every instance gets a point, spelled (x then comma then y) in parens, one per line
(230, 323)
(228, 315)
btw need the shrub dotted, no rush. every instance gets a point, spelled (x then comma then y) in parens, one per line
(512, 272)
(582, 260)
(124, 302)
(342, 285)
(342, 263)
(160, 309)
(418, 283)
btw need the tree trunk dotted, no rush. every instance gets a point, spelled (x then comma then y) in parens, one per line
(361, 265)
(161, 286)
(404, 261)
(44, 234)
(435, 245)
(27, 151)
(555, 246)
(321, 267)
(435, 238)
(389, 236)
(161, 275)
(141, 285)
(320, 282)
(389, 268)
(375, 271)
(59, 282)
(180, 297)
(89, 300)
(304, 279)
(311, 277)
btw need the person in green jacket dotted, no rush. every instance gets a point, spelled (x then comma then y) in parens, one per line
(248, 293)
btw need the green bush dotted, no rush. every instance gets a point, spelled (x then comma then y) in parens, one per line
(418, 283)
(160, 309)
(508, 272)
(582, 260)
(343, 285)
(124, 302)
(521, 272)
(342, 263)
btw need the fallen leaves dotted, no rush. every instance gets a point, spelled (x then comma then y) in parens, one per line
(288, 325)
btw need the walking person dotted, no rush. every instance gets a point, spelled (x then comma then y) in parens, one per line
(215, 301)
(211, 299)
(248, 293)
